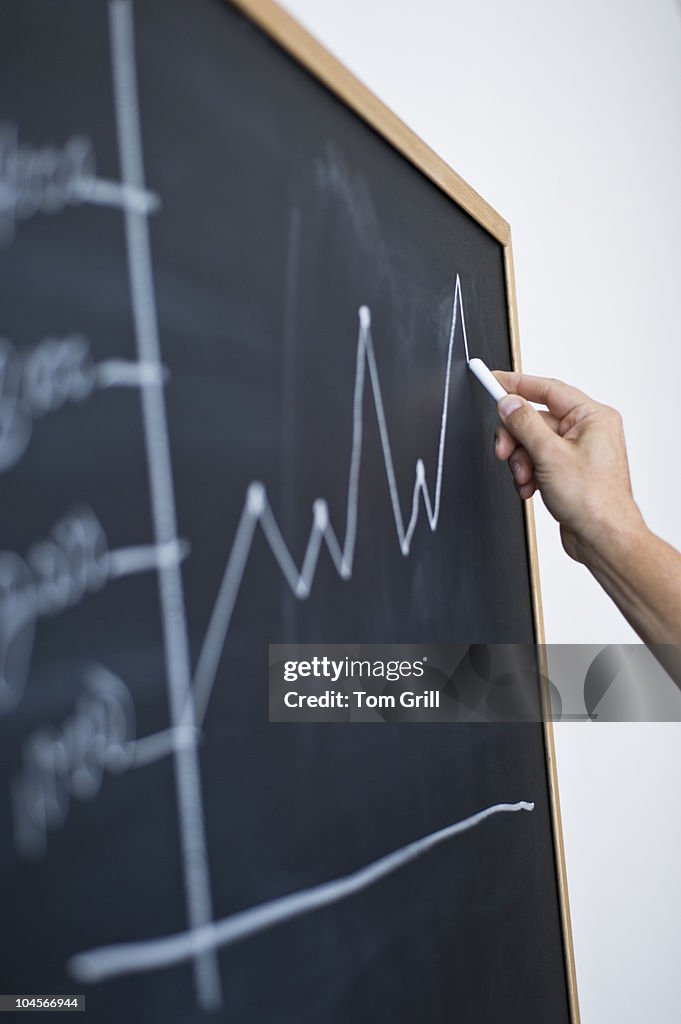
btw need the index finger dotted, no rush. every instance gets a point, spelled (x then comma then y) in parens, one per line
(558, 397)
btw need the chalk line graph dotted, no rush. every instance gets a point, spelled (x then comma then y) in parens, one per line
(258, 511)
(189, 694)
(126, 958)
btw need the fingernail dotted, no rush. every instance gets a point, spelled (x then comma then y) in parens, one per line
(509, 404)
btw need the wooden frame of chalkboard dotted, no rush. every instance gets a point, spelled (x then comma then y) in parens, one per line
(293, 38)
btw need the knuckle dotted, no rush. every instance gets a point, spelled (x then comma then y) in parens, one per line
(523, 416)
(554, 385)
(612, 414)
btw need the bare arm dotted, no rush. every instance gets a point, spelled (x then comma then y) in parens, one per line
(573, 452)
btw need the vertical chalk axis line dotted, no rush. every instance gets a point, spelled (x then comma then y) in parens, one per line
(171, 596)
(258, 511)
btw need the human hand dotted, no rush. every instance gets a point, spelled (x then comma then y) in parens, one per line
(573, 452)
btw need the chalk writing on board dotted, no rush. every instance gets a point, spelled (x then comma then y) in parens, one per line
(107, 962)
(57, 573)
(71, 759)
(257, 509)
(47, 179)
(68, 761)
(55, 372)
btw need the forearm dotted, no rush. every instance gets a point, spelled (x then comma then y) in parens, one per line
(574, 453)
(642, 574)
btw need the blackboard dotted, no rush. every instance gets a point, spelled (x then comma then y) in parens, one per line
(194, 212)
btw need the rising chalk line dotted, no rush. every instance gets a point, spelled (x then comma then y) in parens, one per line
(257, 510)
(131, 957)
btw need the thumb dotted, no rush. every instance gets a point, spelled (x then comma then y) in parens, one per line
(523, 421)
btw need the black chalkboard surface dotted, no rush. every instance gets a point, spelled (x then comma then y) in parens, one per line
(190, 226)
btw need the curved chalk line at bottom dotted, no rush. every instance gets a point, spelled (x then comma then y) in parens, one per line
(133, 957)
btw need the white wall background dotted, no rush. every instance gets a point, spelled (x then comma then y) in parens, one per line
(566, 117)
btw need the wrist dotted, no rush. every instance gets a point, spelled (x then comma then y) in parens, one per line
(610, 543)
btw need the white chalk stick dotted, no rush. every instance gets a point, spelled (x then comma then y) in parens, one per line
(487, 379)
